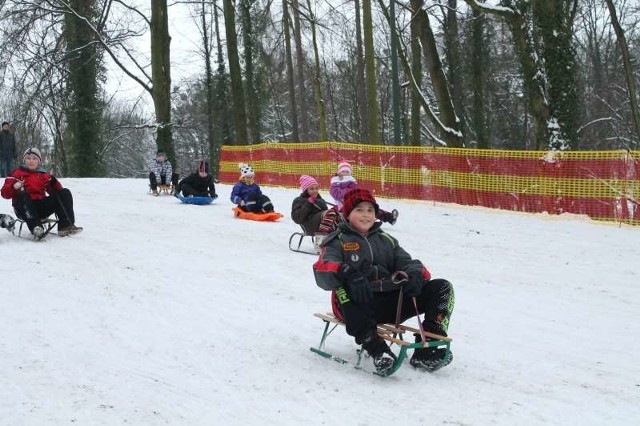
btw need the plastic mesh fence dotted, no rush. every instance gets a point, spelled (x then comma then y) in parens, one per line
(605, 185)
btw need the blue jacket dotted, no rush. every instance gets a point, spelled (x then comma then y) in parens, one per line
(241, 191)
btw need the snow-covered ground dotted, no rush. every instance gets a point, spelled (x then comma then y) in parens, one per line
(165, 313)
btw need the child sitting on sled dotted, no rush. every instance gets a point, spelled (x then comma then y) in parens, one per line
(36, 194)
(343, 181)
(311, 211)
(198, 184)
(161, 172)
(246, 194)
(367, 269)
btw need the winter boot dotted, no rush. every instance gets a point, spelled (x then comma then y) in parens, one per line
(69, 230)
(38, 232)
(377, 349)
(430, 359)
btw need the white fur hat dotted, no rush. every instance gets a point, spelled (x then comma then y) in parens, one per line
(246, 171)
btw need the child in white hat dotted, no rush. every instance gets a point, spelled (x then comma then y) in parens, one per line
(247, 195)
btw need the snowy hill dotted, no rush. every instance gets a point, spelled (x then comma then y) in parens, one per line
(164, 313)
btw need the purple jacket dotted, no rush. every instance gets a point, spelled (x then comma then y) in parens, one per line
(340, 186)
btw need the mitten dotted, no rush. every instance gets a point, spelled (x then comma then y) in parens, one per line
(413, 286)
(18, 185)
(312, 200)
(356, 284)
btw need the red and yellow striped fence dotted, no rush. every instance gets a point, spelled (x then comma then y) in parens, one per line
(605, 185)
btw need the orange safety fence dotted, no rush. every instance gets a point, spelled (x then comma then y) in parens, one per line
(605, 185)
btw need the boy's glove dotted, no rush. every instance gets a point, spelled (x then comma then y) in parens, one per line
(18, 185)
(413, 287)
(356, 284)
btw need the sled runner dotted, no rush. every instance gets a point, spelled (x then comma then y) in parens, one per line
(200, 201)
(260, 217)
(162, 190)
(389, 332)
(296, 239)
(47, 224)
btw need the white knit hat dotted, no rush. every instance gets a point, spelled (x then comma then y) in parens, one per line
(34, 151)
(246, 171)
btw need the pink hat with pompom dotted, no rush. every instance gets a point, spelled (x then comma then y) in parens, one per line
(344, 167)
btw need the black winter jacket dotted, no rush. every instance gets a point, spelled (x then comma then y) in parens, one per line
(306, 214)
(197, 186)
(376, 255)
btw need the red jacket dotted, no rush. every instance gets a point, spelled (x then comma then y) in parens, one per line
(38, 183)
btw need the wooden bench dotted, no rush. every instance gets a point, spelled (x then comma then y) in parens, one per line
(389, 332)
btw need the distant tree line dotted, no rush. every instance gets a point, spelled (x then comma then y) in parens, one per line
(512, 74)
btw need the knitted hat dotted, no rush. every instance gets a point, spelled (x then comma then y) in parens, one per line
(203, 167)
(355, 197)
(246, 171)
(34, 151)
(344, 167)
(307, 181)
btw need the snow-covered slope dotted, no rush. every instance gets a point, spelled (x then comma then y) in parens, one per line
(165, 313)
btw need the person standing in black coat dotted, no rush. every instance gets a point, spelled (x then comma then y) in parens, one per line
(7, 150)
(198, 184)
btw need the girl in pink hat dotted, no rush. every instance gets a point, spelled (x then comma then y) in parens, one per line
(343, 182)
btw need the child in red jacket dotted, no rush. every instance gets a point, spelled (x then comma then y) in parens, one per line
(36, 194)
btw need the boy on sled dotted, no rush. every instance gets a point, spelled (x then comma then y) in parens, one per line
(363, 265)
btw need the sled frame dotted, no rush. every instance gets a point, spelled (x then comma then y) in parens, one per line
(296, 239)
(389, 332)
(166, 189)
(47, 223)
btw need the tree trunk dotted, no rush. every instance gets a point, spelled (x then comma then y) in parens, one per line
(222, 101)
(317, 89)
(479, 64)
(83, 111)
(628, 70)
(301, 91)
(554, 22)
(416, 70)
(361, 89)
(161, 76)
(251, 94)
(454, 69)
(452, 133)
(237, 92)
(290, 78)
(369, 60)
(210, 90)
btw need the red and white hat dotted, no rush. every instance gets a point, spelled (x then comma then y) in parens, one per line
(307, 181)
(344, 167)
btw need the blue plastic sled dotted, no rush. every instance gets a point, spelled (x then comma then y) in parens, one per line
(201, 201)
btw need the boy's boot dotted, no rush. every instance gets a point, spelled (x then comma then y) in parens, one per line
(38, 232)
(430, 359)
(377, 349)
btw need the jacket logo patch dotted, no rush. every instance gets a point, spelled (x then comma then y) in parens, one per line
(351, 246)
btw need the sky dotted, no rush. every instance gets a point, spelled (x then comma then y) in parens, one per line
(167, 313)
